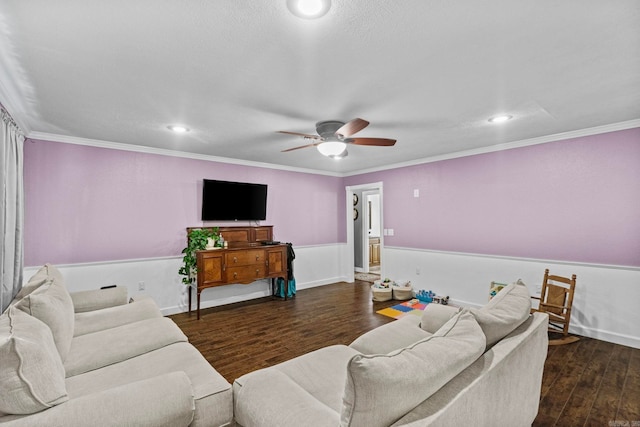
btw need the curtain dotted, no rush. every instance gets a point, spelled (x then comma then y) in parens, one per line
(11, 209)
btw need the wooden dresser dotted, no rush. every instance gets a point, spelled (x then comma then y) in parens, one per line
(245, 261)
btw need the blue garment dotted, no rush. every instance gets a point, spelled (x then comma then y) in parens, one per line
(280, 288)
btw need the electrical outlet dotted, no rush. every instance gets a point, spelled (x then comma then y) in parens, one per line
(141, 286)
(418, 271)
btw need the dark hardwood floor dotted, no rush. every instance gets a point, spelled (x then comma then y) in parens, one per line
(587, 383)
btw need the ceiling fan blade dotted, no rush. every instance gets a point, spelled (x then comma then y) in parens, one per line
(302, 146)
(351, 127)
(305, 135)
(379, 142)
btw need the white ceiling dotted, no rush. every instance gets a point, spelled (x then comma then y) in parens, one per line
(427, 73)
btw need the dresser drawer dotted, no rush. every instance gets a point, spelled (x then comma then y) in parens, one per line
(245, 274)
(248, 257)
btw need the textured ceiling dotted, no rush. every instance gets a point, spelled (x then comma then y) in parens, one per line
(427, 73)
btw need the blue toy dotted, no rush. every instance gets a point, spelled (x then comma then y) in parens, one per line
(425, 296)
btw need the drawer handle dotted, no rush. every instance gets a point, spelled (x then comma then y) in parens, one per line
(235, 259)
(257, 271)
(257, 257)
(235, 275)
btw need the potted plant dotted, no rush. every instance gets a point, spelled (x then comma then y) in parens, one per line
(196, 241)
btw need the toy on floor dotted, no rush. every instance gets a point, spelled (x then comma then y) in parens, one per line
(425, 296)
(430, 296)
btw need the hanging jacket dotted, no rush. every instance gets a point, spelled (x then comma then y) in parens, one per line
(291, 255)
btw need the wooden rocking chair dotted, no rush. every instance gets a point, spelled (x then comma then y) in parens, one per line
(556, 299)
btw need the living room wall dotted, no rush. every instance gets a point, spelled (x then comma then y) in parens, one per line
(91, 204)
(572, 206)
(571, 200)
(118, 217)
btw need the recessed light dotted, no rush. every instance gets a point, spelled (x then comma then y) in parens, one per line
(500, 119)
(309, 9)
(178, 129)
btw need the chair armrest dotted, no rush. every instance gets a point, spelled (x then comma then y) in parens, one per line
(84, 301)
(436, 315)
(162, 401)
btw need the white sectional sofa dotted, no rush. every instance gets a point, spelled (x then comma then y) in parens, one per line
(95, 359)
(480, 367)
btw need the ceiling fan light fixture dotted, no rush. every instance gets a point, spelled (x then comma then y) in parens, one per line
(332, 148)
(340, 156)
(309, 9)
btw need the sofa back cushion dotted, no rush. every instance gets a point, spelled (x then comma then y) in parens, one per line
(380, 389)
(31, 372)
(44, 274)
(51, 303)
(505, 312)
(434, 316)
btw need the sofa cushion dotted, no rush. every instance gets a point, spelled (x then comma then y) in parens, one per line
(380, 389)
(120, 315)
(31, 371)
(436, 315)
(97, 299)
(309, 387)
(392, 336)
(103, 348)
(505, 312)
(45, 273)
(52, 304)
(212, 393)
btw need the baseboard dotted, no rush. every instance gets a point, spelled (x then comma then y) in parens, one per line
(626, 340)
(182, 308)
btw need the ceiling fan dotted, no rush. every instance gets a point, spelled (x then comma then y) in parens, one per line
(334, 135)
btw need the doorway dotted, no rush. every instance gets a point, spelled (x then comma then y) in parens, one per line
(365, 240)
(371, 232)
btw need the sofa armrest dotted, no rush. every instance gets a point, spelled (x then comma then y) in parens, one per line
(111, 317)
(84, 301)
(165, 400)
(436, 315)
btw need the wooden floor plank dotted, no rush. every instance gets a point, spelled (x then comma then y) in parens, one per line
(629, 410)
(590, 382)
(580, 401)
(609, 396)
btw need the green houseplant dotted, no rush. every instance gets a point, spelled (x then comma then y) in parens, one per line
(196, 241)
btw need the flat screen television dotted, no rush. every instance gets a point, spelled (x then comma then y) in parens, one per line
(233, 201)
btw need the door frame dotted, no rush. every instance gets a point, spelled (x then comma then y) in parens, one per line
(349, 190)
(365, 228)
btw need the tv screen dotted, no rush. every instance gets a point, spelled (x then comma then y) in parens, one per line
(233, 201)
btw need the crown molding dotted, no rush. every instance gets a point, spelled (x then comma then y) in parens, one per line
(172, 153)
(630, 124)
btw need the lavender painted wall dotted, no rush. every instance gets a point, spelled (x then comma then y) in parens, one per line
(86, 204)
(571, 200)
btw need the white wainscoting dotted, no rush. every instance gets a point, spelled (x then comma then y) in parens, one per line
(606, 304)
(313, 266)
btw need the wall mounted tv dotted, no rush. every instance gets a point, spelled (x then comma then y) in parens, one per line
(233, 201)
